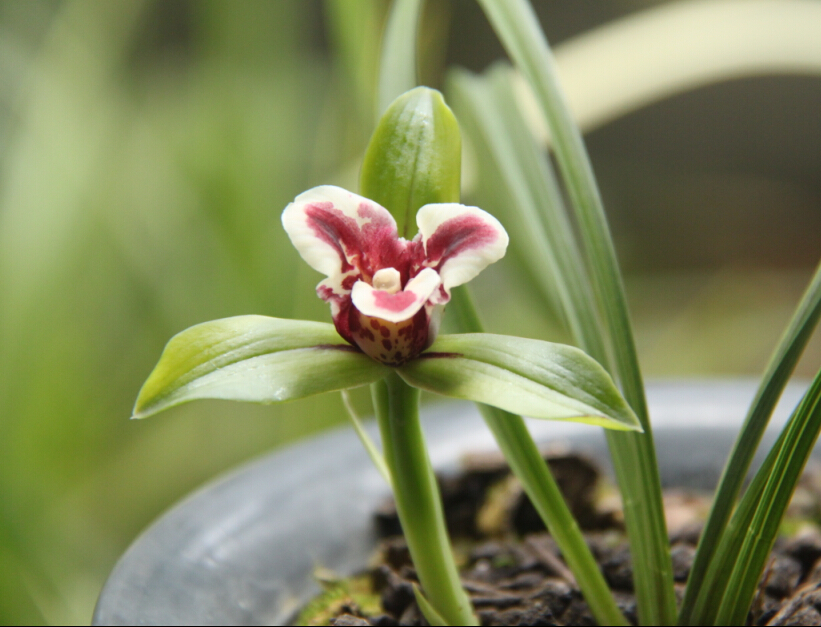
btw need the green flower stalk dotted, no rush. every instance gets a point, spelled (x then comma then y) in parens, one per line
(387, 295)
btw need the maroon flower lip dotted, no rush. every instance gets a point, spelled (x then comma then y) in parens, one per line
(387, 293)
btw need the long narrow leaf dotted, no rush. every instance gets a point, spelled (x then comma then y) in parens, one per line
(728, 550)
(550, 209)
(527, 463)
(634, 457)
(352, 29)
(256, 359)
(781, 365)
(529, 466)
(397, 66)
(788, 462)
(726, 554)
(518, 182)
(503, 189)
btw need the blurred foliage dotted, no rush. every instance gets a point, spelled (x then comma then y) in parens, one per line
(147, 150)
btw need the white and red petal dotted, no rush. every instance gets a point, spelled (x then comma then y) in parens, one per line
(395, 306)
(387, 294)
(342, 235)
(459, 243)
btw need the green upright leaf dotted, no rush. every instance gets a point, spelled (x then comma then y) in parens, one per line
(517, 179)
(527, 463)
(354, 30)
(784, 466)
(523, 376)
(397, 64)
(634, 458)
(702, 586)
(256, 359)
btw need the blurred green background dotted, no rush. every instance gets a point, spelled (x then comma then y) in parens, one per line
(146, 152)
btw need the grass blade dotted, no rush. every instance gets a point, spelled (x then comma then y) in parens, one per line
(787, 463)
(518, 174)
(527, 463)
(503, 188)
(781, 365)
(727, 552)
(353, 29)
(634, 457)
(397, 66)
(551, 210)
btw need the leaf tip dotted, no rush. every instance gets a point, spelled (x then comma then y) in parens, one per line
(139, 412)
(628, 421)
(146, 404)
(635, 423)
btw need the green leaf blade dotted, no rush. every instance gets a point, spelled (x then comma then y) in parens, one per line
(527, 463)
(703, 585)
(634, 457)
(523, 376)
(783, 467)
(397, 64)
(255, 359)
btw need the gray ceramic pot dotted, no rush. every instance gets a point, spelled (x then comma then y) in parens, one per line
(242, 549)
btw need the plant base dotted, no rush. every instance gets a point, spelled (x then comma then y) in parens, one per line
(515, 574)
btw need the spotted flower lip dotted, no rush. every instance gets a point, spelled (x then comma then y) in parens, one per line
(387, 293)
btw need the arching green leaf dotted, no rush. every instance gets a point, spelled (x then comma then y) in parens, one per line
(523, 376)
(256, 359)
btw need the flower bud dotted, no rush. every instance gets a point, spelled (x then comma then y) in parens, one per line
(414, 157)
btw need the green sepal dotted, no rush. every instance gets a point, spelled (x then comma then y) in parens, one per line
(522, 376)
(414, 157)
(256, 359)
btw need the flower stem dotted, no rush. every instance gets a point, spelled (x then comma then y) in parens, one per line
(417, 499)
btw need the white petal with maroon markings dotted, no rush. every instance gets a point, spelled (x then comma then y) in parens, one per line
(326, 226)
(399, 306)
(460, 241)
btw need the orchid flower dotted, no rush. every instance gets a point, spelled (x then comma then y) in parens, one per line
(387, 294)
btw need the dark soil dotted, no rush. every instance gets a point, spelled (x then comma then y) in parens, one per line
(516, 576)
